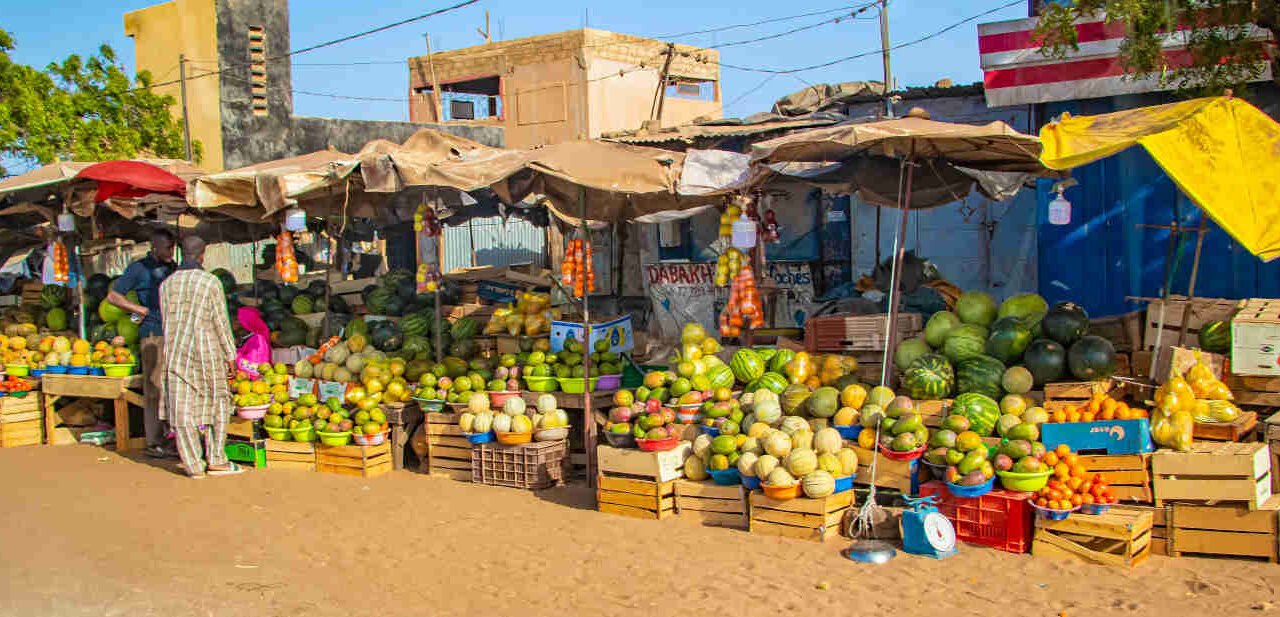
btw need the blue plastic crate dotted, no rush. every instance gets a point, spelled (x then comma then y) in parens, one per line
(1104, 437)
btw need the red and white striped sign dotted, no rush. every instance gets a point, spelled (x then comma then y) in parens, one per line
(1015, 72)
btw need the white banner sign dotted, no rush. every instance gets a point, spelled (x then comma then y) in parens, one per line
(682, 293)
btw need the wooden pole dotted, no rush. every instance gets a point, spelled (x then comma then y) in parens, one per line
(895, 295)
(660, 96)
(588, 420)
(435, 82)
(1191, 285)
(182, 93)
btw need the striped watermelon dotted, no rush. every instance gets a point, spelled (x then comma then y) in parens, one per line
(746, 365)
(982, 412)
(780, 360)
(1215, 337)
(929, 377)
(964, 342)
(982, 375)
(770, 381)
(720, 376)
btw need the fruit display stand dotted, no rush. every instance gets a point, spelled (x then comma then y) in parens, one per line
(711, 504)
(122, 391)
(292, 455)
(1225, 530)
(448, 451)
(354, 460)
(1114, 538)
(530, 466)
(1129, 474)
(902, 476)
(582, 439)
(1000, 519)
(804, 518)
(639, 484)
(1165, 319)
(1240, 429)
(245, 442)
(1213, 472)
(21, 420)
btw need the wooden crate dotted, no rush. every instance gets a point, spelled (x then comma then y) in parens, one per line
(86, 386)
(1203, 311)
(635, 496)
(897, 475)
(1129, 474)
(933, 411)
(712, 504)
(293, 455)
(1114, 538)
(25, 433)
(842, 333)
(803, 518)
(1213, 472)
(1159, 525)
(1225, 530)
(448, 452)
(657, 466)
(1076, 393)
(1239, 430)
(1124, 331)
(21, 409)
(1255, 333)
(353, 460)
(1254, 391)
(241, 428)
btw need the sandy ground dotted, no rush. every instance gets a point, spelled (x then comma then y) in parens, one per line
(87, 532)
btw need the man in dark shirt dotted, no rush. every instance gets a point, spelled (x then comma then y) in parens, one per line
(144, 277)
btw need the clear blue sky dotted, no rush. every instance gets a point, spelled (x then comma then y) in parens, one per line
(48, 30)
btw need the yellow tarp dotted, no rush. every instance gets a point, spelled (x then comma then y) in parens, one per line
(1223, 153)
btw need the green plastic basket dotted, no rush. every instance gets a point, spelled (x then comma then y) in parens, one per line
(541, 384)
(248, 453)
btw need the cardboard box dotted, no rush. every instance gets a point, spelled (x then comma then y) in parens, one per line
(1255, 338)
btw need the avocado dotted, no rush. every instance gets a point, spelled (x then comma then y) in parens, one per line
(972, 461)
(1026, 431)
(943, 438)
(907, 423)
(905, 442)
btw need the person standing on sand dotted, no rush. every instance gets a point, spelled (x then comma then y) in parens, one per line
(199, 353)
(144, 277)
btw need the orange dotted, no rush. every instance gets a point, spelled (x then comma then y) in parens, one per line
(1061, 471)
(1095, 406)
(1075, 483)
(1077, 471)
(1123, 414)
(1042, 502)
(1107, 414)
(1139, 413)
(1060, 416)
(1051, 458)
(1086, 499)
(1073, 416)
(1076, 500)
(1087, 416)
(1062, 450)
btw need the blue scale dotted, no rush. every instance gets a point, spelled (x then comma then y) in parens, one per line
(925, 531)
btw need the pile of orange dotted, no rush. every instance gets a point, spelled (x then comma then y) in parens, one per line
(15, 384)
(1100, 408)
(1071, 485)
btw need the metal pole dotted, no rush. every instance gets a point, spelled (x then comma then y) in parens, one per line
(182, 93)
(895, 295)
(884, 57)
(588, 420)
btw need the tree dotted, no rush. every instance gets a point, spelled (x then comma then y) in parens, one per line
(1223, 54)
(80, 109)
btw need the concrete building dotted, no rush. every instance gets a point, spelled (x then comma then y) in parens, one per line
(559, 87)
(240, 84)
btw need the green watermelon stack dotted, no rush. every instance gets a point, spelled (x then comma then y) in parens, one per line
(416, 324)
(770, 381)
(720, 376)
(981, 375)
(982, 412)
(929, 377)
(964, 342)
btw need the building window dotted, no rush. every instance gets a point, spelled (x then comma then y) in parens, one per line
(691, 89)
(258, 69)
(476, 99)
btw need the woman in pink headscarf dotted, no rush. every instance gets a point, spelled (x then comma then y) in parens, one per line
(257, 349)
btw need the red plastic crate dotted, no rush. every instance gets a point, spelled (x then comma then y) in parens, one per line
(1000, 519)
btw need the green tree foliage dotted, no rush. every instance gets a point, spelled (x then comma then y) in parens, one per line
(1222, 52)
(82, 109)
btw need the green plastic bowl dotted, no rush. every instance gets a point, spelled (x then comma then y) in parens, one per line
(334, 439)
(1024, 482)
(278, 433)
(577, 385)
(303, 434)
(541, 384)
(17, 370)
(117, 370)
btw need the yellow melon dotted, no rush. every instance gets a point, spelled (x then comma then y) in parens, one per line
(79, 359)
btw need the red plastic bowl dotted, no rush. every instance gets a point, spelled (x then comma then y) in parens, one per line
(658, 445)
(903, 456)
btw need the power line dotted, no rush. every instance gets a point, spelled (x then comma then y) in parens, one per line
(750, 92)
(834, 20)
(758, 23)
(876, 51)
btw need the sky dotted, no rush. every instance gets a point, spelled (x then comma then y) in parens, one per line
(50, 30)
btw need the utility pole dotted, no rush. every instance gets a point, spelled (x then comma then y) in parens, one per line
(485, 32)
(884, 56)
(435, 82)
(182, 94)
(660, 96)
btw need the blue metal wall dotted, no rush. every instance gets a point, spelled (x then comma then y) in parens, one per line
(497, 243)
(1102, 256)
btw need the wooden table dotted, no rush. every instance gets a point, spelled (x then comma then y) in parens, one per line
(122, 391)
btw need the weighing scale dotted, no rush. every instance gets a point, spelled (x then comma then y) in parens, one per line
(925, 531)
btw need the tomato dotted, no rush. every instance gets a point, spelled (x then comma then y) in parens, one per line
(1087, 499)
(1076, 500)
(1062, 450)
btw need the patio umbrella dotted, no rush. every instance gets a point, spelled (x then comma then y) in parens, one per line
(944, 157)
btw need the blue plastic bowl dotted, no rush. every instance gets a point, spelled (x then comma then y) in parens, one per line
(1094, 508)
(711, 431)
(726, 477)
(36, 372)
(845, 483)
(752, 483)
(97, 371)
(848, 432)
(480, 437)
(78, 370)
(1053, 515)
(55, 370)
(971, 491)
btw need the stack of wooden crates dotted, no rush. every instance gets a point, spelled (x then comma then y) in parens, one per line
(21, 420)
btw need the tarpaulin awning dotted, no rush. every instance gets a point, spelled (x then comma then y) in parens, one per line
(254, 192)
(131, 180)
(1222, 152)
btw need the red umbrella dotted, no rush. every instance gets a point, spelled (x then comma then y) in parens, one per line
(131, 179)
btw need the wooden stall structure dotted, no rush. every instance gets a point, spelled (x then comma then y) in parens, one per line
(121, 391)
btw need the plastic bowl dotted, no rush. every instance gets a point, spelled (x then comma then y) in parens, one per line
(725, 477)
(255, 412)
(1094, 508)
(498, 399)
(37, 372)
(375, 439)
(711, 431)
(479, 437)
(551, 434)
(609, 382)
(303, 434)
(78, 370)
(903, 456)
(97, 371)
(17, 370)
(1024, 482)
(429, 405)
(845, 483)
(781, 493)
(541, 384)
(751, 483)
(334, 439)
(577, 385)
(688, 418)
(117, 370)
(620, 440)
(1053, 515)
(971, 491)
(658, 445)
(514, 439)
(52, 369)
(848, 432)
(278, 433)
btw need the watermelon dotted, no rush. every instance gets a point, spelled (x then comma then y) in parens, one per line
(53, 296)
(908, 351)
(416, 325)
(1065, 323)
(976, 307)
(720, 376)
(780, 360)
(965, 342)
(1215, 336)
(929, 377)
(746, 365)
(1028, 308)
(1046, 359)
(1008, 340)
(771, 381)
(464, 328)
(378, 300)
(765, 353)
(981, 374)
(56, 319)
(386, 337)
(302, 304)
(982, 412)
(939, 326)
(1091, 358)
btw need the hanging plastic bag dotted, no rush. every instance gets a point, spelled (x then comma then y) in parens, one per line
(257, 349)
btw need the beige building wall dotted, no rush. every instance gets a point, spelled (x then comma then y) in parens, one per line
(161, 34)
